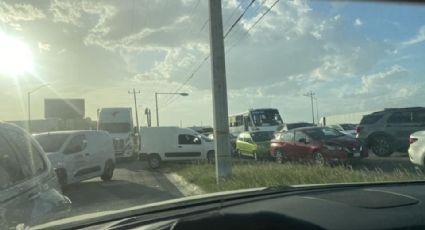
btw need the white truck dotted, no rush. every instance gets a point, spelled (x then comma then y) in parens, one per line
(174, 144)
(119, 123)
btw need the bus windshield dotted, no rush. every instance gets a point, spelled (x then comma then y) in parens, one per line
(266, 117)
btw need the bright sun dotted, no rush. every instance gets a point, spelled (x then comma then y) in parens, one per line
(15, 56)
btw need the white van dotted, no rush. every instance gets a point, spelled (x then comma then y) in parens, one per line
(79, 155)
(173, 144)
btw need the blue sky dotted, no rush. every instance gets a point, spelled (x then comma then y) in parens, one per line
(354, 56)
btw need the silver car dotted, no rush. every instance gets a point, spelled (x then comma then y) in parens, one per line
(29, 189)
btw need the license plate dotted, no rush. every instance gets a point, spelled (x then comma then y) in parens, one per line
(356, 154)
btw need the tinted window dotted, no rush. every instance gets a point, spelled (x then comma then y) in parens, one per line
(370, 119)
(400, 117)
(186, 139)
(10, 169)
(323, 133)
(51, 142)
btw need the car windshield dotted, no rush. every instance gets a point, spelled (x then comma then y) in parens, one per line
(178, 98)
(323, 133)
(262, 136)
(115, 127)
(268, 117)
(51, 142)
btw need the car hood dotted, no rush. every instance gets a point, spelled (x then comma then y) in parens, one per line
(345, 141)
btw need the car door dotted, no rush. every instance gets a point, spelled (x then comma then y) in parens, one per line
(92, 154)
(250, 145)
(77, 158)
(189, 147)
(400, 125)
(301, 145)
(288, 145)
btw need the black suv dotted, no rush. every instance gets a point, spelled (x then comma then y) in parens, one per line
(389, 130)
(29, 190)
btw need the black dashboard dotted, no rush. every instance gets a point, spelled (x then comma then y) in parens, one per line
(365, 207)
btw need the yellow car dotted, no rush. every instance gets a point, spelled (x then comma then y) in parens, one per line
(254, 144)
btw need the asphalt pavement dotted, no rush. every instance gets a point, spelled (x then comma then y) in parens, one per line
(133, 184)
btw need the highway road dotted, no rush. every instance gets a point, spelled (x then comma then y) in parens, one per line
(135, 184)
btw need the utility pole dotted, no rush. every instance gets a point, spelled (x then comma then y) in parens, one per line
(317, 111)
(219, 89)
(311, 95)
(135, 107)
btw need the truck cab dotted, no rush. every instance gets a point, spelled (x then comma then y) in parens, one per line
(118, 122)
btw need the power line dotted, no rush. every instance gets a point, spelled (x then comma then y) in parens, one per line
(233, 12)
(238, 19)
(253, 25)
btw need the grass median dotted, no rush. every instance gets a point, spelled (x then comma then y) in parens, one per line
(265, 174)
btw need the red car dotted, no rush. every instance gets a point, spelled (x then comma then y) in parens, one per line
(316, 144)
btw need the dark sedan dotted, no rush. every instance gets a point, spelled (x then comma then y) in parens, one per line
(321, 145)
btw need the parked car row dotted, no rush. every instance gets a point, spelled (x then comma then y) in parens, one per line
(321, 145)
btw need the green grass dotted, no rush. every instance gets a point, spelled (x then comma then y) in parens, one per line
(264, 174)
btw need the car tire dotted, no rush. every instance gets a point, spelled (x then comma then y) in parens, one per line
(154, 161)
(211, 157)
(319, 159)
(381, 146)
(108, 171)
(280, 157)
(62, 177)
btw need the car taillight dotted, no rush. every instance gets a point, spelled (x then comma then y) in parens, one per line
(358, 129)
(413, 140)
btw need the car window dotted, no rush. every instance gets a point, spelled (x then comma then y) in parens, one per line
(288, 136)
(10, 168)
(186, 139)
(77, 144)
(52, 142)
(29, 156)
(299, 136)
(370, 119)
(401, 117)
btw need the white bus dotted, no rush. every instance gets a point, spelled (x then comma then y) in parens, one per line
(255, 120)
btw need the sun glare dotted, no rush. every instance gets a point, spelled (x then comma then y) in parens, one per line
(15, 56)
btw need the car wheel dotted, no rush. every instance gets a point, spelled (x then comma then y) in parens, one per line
(280, 157)
(211, 157)
(108, 172)
(62, 177)
(154, 161)
(381, 146)
(319, 159)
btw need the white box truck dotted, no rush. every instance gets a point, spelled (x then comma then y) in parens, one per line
(174, 144)
(119, 123)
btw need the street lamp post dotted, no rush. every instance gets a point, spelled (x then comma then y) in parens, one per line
(29, 104)
(156, 104)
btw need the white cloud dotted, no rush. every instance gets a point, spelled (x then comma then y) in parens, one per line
(12, 13)
(358, 22)
(420, 37)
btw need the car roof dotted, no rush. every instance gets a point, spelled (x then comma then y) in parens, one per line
(386, 110)
(10, 126)
(305, 128)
